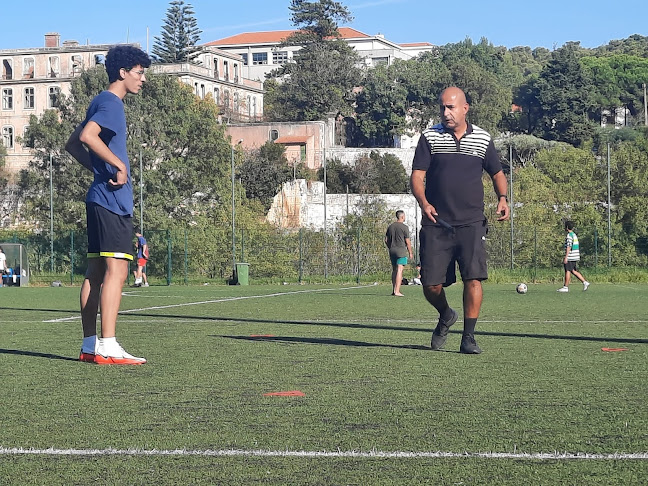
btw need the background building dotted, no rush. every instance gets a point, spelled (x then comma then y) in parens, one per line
(262, 51)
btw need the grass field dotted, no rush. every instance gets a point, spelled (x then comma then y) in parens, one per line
(544, 404)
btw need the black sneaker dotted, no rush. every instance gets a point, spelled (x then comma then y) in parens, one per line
(468, 345)
(440, 333)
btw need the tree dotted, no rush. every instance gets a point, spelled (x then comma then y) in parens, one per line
(179, 36)
(263, 171)
(324, 73)
(561, 98)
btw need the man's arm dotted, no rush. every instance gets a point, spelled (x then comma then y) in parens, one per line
(76, 149)
(417, 183)
(501, 188)
(409, 248)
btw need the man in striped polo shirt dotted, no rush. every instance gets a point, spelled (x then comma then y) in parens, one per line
(447, 183)
(572, 257)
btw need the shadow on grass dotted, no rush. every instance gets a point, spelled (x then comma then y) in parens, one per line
(425, 330)
(34, 354)
(327, 341)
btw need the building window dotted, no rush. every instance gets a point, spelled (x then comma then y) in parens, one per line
(259, 58)
(7, 69)
(25, 131)
(274, 135)
(215, 67)
(302, 153)
(53, 67)
(249, 106)
(202, 91)
(236, 102)
(53, 95)
(377, 61)
(77, 64)
(29, 99)
(8, 137)
(226, 99)
(245, 59)
(217, 96)
(280, 57)
(7, 99)
(254, 108)
(236, 73)
(226, 69)
(28, 68)
(100, 59)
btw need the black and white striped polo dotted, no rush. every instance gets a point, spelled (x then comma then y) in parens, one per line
(453, 183)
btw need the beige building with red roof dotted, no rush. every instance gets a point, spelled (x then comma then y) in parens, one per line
(262, 51)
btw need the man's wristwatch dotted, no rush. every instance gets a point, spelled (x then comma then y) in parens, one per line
(503, 196)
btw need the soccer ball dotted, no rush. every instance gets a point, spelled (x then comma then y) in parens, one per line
(521, 288)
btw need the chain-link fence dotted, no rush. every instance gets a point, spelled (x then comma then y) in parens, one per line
(189, 255)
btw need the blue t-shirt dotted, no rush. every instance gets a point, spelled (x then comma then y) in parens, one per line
(107, 111)
(141, 241)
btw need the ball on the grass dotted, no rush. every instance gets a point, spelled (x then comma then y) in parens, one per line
(521, 288)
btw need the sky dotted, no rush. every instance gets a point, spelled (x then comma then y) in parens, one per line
(506, 23)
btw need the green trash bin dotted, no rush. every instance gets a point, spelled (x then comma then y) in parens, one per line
(243, 273)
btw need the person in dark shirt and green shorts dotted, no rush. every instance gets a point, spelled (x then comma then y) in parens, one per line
(398, 241)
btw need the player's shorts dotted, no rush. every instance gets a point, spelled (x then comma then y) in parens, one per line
(570, 266)
(141, 262)
(109, 234)
(398, 260)
(440, 249)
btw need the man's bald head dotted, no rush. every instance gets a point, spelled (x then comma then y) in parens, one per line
(453, 108)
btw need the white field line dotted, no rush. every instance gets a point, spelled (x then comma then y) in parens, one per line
(215, 301)
(325, 454)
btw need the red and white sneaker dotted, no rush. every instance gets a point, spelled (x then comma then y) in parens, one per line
(115, 356)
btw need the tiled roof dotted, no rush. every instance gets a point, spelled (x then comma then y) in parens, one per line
(273, 36)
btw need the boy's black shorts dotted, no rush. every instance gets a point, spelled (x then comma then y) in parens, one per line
(109, 234)
(441, 248)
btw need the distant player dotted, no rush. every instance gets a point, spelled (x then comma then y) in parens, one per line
(142, 259)
(571, 259)
(99, 144)
(398, 242)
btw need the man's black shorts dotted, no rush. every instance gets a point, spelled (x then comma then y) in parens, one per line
(109, 234)
(441, 248)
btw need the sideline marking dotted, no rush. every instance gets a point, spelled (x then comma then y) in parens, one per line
(225, 299)
(352, 454)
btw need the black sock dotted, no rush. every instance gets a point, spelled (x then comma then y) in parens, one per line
(446, 315)
(469, 325)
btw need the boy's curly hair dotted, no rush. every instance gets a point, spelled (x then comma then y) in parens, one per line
(124, 56)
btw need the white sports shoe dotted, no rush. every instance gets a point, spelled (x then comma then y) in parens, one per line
(563, 289)
(115, 355)
(585, 285)
(146, 284)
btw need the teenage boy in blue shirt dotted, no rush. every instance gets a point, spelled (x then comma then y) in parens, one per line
(99, 144)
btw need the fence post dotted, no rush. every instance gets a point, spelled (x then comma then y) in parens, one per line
(71, 257)
(358, 255)
(301, 260)
(535, 253)
(595, 247)
(169, 257)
